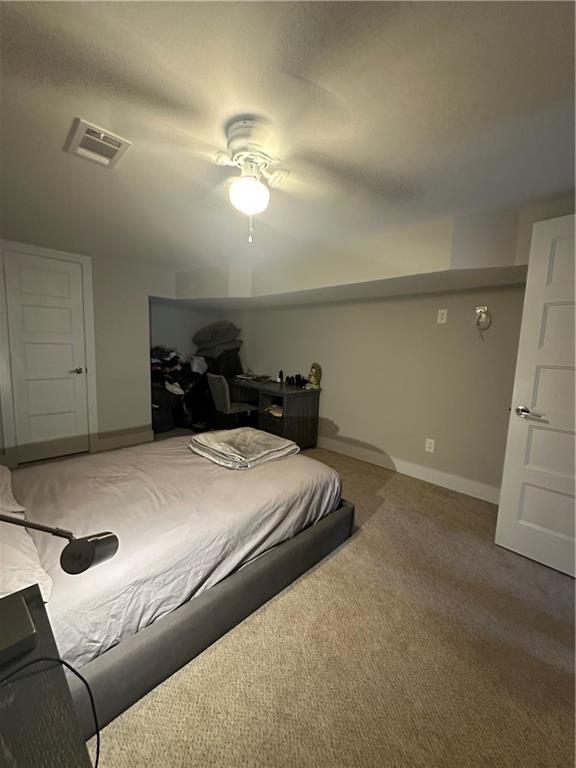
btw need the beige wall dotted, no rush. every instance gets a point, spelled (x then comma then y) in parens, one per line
(393, 376)
(466, 241)
(418, 248)
(174, 326)
(203, 283)
(121, 317)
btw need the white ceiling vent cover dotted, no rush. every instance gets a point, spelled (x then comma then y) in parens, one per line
(95, 143)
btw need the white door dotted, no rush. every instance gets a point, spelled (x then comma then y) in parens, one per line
(47, 350)
(536, 514)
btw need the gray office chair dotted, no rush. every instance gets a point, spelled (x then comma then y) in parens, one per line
(221, 396)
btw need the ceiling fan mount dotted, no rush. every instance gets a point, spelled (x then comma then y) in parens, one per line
(246, 140)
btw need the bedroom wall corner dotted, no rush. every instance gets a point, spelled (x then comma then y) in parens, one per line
(394, 377)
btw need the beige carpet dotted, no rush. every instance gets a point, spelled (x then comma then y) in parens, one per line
(418, 643)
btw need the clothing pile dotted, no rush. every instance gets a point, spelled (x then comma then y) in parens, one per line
(166, 368)
(242, 448)
(180, 393)
(218, 342)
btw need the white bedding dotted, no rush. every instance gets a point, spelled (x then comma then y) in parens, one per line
(183, 522)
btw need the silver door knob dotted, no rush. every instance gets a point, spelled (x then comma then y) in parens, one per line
(76, 370)
(526, 413)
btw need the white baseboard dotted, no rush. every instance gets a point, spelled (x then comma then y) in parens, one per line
(435, 476)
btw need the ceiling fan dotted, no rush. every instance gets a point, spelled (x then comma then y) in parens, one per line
(248, 150)
(251, 146)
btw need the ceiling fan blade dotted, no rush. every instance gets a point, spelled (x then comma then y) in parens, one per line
(301, 82)
(186, 152)
(186, 168)
(302, 179)
(344, 177)
(300, 111)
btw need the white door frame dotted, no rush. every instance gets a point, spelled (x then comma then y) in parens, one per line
(6, 393)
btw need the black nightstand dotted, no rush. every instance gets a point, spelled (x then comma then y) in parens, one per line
(38, 727)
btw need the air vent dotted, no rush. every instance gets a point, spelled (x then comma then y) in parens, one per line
(95, 143)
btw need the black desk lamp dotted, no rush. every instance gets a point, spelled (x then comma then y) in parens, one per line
(17, 630)
(79, 554)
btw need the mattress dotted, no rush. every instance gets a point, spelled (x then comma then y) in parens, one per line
(184, 524)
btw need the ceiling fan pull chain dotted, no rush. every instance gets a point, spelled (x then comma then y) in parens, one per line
(251, 230)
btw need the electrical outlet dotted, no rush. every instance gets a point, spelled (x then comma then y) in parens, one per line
(442, 316)
(429, 445)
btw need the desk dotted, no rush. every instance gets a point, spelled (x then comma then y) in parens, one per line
(38, 725)
(300, 420)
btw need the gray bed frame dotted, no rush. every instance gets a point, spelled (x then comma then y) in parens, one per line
(125, 673)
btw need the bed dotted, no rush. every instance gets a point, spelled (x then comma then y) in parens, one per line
(188, 529)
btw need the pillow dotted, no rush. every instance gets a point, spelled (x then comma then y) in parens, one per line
(19, 562)
(7, 501)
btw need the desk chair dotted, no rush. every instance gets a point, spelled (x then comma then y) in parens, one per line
(232, 412)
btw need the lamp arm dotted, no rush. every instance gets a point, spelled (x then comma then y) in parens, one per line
(61, 532)
(79, 554)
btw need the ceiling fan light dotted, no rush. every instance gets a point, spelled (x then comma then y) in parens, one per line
(249, 195)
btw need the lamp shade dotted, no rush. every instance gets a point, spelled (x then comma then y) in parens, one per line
(249, 195)
(80, 554)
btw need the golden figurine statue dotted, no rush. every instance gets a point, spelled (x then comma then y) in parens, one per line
(315, 376)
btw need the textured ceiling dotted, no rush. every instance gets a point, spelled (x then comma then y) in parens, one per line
(386, 112)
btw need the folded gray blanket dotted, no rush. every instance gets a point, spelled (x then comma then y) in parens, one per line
(242, 448)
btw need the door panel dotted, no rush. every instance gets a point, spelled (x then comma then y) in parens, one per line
(44, 320)
(47, 349)
(553, 391)
(547, 510)
(35, 280)
(561, 265)
(536, 514)
(550, 450)
(50, 396)
(558, 330)
(52, 357)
